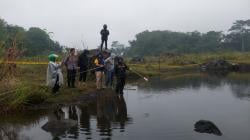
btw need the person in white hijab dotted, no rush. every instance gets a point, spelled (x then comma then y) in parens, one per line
(54, 74)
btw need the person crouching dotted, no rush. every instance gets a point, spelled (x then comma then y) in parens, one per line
(120, 73)
(54, 74)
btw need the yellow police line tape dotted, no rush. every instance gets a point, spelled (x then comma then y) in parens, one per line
(24, 62)
(36, 63)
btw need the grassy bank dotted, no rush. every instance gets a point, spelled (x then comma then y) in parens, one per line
(183, 59)
(170, 63)
(27, 87)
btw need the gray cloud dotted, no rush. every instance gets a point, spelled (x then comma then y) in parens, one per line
(76, 20)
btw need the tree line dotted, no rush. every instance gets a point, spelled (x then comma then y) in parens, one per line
(32, 42)
(159, 42)
(36, 41)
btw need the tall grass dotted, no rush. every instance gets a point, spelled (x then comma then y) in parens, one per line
(29, 95)
(163, 63)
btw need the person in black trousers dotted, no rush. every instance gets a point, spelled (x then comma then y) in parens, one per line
(83, 63)
(104, 33)
(71, 64)
(120, 72)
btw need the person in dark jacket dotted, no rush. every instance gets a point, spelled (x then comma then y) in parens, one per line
(104, 33)
(83, 65)
(120, 73)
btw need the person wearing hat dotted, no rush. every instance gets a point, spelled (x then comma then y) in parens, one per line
(104, 36)
(99, 71)
(54, 74)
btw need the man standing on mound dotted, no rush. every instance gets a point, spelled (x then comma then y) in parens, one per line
(104, 33)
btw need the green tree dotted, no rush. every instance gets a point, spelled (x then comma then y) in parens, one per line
(3, 31)
(2, 35)
(118, 48)
(159, 42)
(33, 42)
(210, 41)
(239, 36)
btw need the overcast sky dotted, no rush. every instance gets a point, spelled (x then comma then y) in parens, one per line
(76, 20)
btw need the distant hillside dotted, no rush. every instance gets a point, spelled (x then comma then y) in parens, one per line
(159, 42)
(33, 41)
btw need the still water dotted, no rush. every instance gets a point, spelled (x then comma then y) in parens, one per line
(164, 108)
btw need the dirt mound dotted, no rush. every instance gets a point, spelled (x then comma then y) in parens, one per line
(219, 65)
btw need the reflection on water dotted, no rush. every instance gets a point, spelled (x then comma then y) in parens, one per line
(110, 112)
(107, 112)
(168, 108)
(10, 126)
(240, 86)
(10, 133)
(241, 91)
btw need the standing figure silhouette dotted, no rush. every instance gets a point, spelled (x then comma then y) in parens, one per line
(104, 33)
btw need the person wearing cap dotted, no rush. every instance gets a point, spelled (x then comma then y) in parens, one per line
(54, 74)
(109, 70)
(71, 65)
(120, 73)
(104, 36)
(99, 71)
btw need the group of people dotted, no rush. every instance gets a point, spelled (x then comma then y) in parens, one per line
(107, 67)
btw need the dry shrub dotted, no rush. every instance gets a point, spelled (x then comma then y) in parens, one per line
(8, 68)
